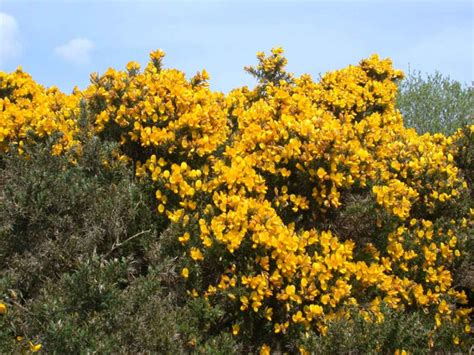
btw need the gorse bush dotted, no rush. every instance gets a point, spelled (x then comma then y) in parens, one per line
(27, 107)
(297, 216)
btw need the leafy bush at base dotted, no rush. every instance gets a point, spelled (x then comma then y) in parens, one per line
(81, 266)
(410, 331)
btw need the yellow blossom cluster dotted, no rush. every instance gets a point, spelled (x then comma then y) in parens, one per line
(29, 112)
(168, 125)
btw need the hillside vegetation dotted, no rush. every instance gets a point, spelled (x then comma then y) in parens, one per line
(148, 213)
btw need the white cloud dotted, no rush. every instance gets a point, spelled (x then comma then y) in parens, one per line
(77, 50)
(10, 46)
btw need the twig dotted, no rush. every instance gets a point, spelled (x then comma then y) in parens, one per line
(118, 244)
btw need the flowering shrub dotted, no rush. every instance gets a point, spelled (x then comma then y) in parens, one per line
(169, 126)
(300, 149)
(29, 112)
(296, 204)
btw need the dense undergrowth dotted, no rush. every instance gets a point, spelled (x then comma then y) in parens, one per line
(148, 213)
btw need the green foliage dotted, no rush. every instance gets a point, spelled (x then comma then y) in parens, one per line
(435, 103)
(82, 265)
(409, 331)
(464, 277)
(55, 212)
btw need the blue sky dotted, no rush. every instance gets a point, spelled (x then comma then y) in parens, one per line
(61, 42)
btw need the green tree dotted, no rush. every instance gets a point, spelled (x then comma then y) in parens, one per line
(435, 103)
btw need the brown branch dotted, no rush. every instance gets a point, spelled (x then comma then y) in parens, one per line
(118, 244)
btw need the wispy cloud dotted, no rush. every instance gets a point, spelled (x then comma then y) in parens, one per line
(10, 46)
(77, 51)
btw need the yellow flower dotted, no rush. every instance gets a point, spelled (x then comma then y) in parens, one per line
(185, 273)
(321, 173)
(183, 239)
(265, 350)
(3, 308)
(235, 329)
(34, 348)
(298, 317)
(443, 307)
(196, 254)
